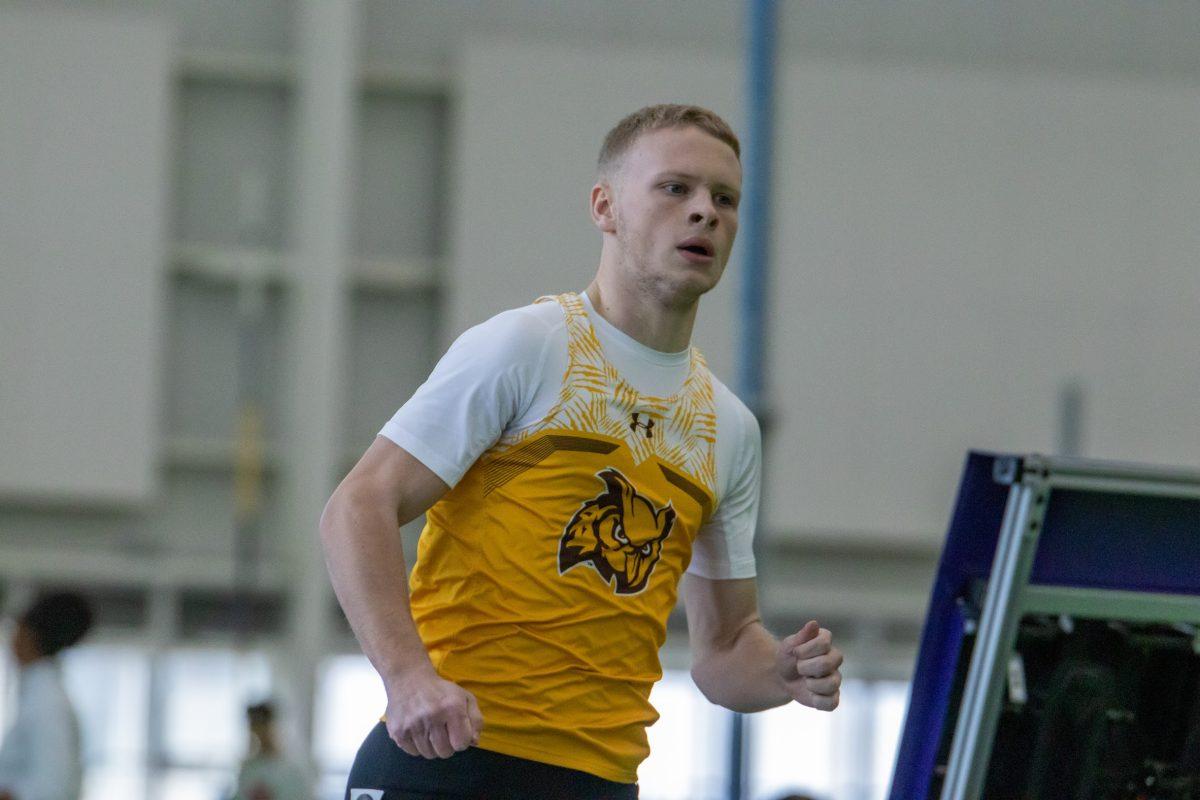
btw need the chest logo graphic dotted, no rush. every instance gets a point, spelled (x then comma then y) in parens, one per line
(619, 533)
(647, 426)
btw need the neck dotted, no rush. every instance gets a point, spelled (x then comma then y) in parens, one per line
(642, 316)
(266, 745)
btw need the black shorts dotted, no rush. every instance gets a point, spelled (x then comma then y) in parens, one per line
(473, 774)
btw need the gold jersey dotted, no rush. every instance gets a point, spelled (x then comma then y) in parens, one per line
(544, 578)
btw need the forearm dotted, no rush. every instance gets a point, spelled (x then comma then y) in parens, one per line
(365, 558)
(742, 675)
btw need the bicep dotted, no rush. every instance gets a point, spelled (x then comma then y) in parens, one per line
(718, 611)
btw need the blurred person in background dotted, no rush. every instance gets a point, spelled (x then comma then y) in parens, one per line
(40, 755)
(266, 773)
(575, 457)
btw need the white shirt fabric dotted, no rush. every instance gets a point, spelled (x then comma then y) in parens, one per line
(504, 375)
(39, 756)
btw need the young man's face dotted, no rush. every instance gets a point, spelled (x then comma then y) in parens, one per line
(675, 211)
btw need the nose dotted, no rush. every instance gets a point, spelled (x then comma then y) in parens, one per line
(703, 212)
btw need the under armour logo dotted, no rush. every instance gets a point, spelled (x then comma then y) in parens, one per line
(366, 794)
(647, 426)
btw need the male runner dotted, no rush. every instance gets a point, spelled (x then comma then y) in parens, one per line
(575, 457)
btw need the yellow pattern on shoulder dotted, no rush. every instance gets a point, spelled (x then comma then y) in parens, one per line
(594, 398)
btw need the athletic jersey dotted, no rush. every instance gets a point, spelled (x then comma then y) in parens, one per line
(544, 578)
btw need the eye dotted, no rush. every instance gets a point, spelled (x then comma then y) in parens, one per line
(620, 536)
(645, 549)
(675, 188)
(726, 200)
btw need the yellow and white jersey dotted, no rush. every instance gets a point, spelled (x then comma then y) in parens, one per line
(598, 472)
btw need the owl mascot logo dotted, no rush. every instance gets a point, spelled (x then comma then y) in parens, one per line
(619, 533)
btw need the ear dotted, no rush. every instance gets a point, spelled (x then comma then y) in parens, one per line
(619, 487)
(666, 520)
(603, 215)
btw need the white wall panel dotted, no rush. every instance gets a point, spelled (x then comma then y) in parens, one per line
(83, 166)
(954, 248)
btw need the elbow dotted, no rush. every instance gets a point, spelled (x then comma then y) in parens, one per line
(325, 525)
(700, 678)
(716, 692)
(722, 685)
(707, 676)
(353, 507)
(338, 509)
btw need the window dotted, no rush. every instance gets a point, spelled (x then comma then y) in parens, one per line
(204, 696)
(689, 745)
(791, 747)
(350, 699)
(891, 705)
(109, 688)
(841, 756)
(847, 755)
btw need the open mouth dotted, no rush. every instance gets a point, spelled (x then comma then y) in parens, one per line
(698, 247)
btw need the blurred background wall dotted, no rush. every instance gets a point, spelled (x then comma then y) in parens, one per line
(238, 234)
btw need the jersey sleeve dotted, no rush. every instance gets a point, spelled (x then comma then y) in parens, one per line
(723, 549)
(478, 387)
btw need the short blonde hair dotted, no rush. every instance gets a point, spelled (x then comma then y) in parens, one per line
(652, 118)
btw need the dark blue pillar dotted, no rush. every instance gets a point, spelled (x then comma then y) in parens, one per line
(755, 218)
(755, 213)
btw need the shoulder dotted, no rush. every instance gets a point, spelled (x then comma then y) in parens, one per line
(44, 677)
(43, 693)
(535, 318)
(739, 442)
(734, 418)
(518, 334)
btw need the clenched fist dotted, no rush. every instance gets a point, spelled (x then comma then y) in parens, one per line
(431, 717)
(808, 664)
